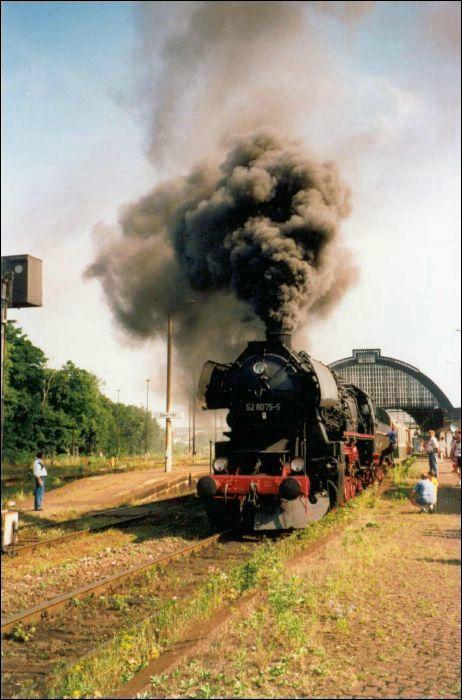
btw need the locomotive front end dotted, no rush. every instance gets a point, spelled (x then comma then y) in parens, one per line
(259, 474)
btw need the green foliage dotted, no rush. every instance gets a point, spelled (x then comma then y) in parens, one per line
(21, 634)
(63, 411)
(400, 473)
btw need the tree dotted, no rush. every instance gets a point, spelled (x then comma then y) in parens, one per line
(132, 428)
(24, 376)
(64, 410)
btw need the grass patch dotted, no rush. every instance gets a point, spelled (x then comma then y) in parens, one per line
(403, 471)
(115, 662)
(334, 627)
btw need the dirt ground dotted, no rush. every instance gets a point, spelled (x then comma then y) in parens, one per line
(59, 569)
(105, 491)
(375, 616)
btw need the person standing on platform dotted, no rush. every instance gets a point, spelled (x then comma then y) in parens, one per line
(39, 473)
(442, 447)
(432, 451)
(455, 453)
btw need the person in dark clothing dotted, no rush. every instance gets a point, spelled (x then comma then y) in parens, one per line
(392, 436)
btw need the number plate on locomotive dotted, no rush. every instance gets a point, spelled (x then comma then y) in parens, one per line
(263, 407)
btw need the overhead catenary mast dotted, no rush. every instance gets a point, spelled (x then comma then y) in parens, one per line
(168, 420)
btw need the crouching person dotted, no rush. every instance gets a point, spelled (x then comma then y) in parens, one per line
(423, 494)
(434, 480)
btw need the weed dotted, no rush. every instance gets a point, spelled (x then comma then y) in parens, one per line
(205, 691)
(343, 626)
(21, 634)
(238, 687)
(319, 651)
(118, 602)
(292, 603)
(320, 670)
(248, 576)
(157, 681)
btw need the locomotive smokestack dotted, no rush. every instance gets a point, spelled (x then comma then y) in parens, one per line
(279, 335)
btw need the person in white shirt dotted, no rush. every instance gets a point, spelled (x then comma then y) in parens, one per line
(442, 445)
(40, 473)
(455, 454)
(432, 451)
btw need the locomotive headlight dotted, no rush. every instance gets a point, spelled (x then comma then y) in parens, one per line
(297, 464)
(259, 367)
(220, 464)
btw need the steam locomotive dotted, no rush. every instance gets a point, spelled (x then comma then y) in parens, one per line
(301, 440)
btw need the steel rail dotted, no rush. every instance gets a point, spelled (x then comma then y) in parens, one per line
(51, 606)
(153, 514)
(32, 614)
(184, 650)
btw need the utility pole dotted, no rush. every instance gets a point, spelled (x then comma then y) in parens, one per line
(168, 421)
(117, 424)
(194, 420)
(146, 424)
(189, 429)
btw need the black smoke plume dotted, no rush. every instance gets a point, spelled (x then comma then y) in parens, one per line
(228, 250)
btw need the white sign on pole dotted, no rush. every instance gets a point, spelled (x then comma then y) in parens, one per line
(165, 414)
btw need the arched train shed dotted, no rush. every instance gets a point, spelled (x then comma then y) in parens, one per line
(394, 384)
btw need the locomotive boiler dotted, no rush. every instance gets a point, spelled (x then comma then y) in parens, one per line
(300, 439)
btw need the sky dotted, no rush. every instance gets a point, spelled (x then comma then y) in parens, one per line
(75, 148)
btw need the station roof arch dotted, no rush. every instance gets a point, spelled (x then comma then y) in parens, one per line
(395, 384)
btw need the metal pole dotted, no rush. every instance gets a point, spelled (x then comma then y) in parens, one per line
(194, 420)
(7, 286)
(168, 420)
(117, 424)
(146, 424)
(189, 429)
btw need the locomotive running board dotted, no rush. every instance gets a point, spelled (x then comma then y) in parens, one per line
(291, 514)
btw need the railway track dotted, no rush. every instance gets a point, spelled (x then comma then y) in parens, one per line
(72, 626)
(185, 650)
(97, 587)
(185, 484)
(79, 630)
(156, 515)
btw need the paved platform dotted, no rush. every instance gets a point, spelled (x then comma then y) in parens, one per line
(99, 492)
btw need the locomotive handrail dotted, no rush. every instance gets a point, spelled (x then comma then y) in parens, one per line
(364, 436)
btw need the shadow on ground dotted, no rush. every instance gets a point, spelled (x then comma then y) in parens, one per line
(97, 517)
(453, 562)
(448, 498)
